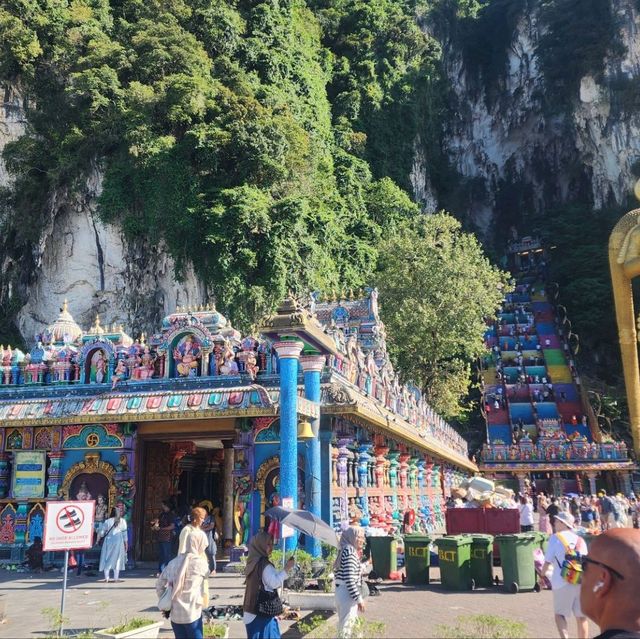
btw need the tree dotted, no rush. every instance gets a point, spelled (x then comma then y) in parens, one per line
(437, 288)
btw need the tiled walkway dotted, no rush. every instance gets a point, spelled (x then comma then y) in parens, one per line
(406, 611)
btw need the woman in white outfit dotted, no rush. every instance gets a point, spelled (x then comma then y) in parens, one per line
(113, 555)
(348, 575)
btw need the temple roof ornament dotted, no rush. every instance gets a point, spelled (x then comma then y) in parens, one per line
(293, 319)
(206, 315)
(64, 329)
(97, 329)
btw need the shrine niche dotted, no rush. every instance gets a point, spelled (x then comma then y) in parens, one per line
(187, 351)
(187, 356)
(97, 368)
(19, 439)
(89, 480)
(8, 525)
(268, 484)
(43, 438)
(35, 523)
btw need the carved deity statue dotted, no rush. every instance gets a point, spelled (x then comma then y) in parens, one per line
(251, 365)
(99, 364)
(186, 356)
(230, 366)
(119, 373)
(101, 508)
(83, 493)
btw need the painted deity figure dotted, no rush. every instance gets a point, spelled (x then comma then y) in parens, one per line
(99, 366)
(83, 493)
(251, 365)
(7, 530)
(186, 356)
(101, 509)
(119, 373)
(146, 366)
(230, 366)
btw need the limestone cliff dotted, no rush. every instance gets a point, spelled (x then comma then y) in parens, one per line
(513, 154)
(516, 152)
(81, 259)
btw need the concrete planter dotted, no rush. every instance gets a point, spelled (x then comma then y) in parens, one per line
(309, 600)
(150, 631)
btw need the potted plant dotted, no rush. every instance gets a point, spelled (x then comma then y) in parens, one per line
(137, 628)
(216, 630)
(325, 580)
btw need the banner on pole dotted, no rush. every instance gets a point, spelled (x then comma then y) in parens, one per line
(68, 525)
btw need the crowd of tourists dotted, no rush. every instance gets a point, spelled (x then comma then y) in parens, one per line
(594, 513)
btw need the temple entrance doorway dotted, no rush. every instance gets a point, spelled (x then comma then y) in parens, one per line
(186, 469)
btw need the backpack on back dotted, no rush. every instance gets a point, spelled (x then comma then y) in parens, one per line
(571, 567)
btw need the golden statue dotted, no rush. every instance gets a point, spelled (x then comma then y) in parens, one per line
(624, 261)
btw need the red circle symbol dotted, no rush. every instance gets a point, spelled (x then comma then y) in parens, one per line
(69, 519)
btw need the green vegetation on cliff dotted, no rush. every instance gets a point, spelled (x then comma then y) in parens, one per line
(267, 142)
(253, 138)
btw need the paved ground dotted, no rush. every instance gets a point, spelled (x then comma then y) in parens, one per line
(405, 611)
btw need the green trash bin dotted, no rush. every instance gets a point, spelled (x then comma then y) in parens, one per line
(384, 555)
(542, 539)
(417, 558)
(516, 556)
(482, 560)
(454, 559)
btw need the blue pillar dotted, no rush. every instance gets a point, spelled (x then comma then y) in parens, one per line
(288, 355)
(326, 435)
(312, 366)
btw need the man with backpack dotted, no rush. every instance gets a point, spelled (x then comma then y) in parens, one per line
(563, 556)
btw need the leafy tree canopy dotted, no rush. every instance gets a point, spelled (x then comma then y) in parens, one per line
(438, 287)
(254, 138)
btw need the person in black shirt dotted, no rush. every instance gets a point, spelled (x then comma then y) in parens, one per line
(552, 511)
(611, 582)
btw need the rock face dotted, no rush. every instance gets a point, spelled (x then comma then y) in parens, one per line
(90, 264)
(512, 153)
(507, 142)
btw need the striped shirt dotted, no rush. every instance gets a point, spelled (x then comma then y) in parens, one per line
(349, 572)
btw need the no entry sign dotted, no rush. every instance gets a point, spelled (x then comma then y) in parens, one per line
(68, 525)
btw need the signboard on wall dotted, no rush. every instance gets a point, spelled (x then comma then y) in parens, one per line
(28, 478)
(68, 525)
(286, 531)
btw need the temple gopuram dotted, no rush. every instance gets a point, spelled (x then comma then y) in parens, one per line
(541, 427)
(198, 411)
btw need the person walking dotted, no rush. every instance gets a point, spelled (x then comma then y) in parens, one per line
(261, 574)
(187, 575)
(566, 594)
(194, 527)
(526, 514)
(611, 582)
(209, 529)
(543, 519)
(165, 527)
(552, 511)
(113, 555)
(348, 577)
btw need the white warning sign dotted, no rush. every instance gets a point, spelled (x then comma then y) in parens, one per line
(68, 525)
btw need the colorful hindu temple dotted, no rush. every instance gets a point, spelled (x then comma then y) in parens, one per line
(540, 425)
(199, 411)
